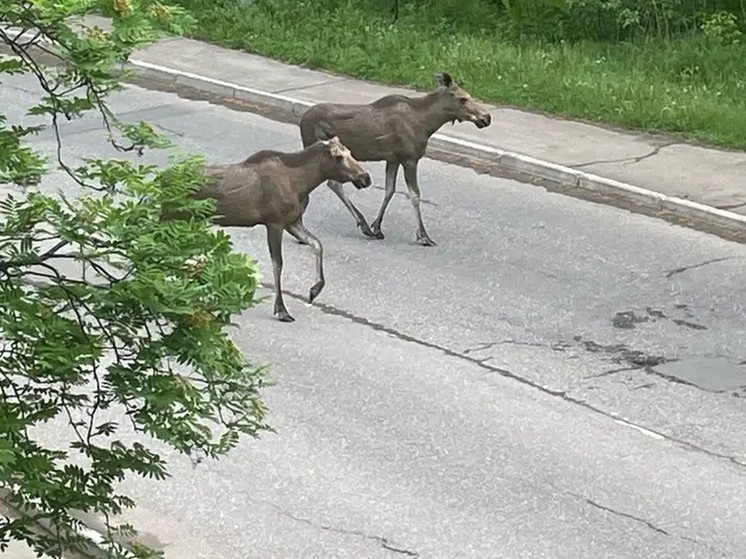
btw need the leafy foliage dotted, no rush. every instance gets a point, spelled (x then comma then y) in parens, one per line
(517, 8)
(111, 318)
(616, 20)
(586, 61)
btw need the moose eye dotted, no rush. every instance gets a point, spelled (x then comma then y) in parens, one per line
(462, 100)
(339, 157)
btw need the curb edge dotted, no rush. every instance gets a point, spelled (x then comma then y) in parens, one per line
(694, 215)
(730, 223)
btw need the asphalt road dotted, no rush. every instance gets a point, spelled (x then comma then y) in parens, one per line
(556, 379)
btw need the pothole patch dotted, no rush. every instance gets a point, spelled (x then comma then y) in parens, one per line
(714, 374)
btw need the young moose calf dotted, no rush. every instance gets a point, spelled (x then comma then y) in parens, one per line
(394, 129)
(271, 188)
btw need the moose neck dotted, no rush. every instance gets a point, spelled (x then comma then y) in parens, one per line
(432, 112)
(312, 172)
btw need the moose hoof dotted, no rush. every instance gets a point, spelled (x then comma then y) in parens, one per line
(378, 234)
(284, 317)
(426, 242)
(366, 230)
(314, 292)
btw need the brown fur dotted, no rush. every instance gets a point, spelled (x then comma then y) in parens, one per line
(395, 129)
(271, 188)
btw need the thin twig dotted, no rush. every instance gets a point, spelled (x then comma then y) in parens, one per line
(33, 261)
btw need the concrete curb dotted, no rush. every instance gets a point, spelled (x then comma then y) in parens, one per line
(724, 223)
(567, 180)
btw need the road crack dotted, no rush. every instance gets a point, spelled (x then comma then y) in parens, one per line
(170, 130)
(731, 206)
(624, 515)
(627, 160)
(562, 394)
(483, 346)
(670, 273)
(613, 372)
(384, 542)
(643, 521)
(299, 87)
(692, 325)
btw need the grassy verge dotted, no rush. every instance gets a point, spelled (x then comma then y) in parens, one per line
(685, 85)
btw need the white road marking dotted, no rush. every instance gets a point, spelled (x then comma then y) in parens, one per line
(642, 430)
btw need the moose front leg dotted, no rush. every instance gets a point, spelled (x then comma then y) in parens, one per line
(300, 239)
(338, 189)
(274, 241)
(299, 230)
(410, 177)
(392, 169)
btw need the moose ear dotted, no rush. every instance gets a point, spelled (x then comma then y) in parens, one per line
(324, 131)
(444, 79)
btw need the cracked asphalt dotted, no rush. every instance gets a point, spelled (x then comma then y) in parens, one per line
(556, 379)
(632, 159)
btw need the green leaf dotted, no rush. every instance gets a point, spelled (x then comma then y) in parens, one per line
(142, 334)
(7, 453)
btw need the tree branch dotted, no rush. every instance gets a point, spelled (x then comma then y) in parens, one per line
(33, 260)
(92, 92)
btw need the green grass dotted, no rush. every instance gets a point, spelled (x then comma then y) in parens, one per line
(685, 85)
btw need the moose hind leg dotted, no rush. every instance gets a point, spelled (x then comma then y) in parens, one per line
(274, 241)
(338, 189)
(392, 169)
(410, 176)
(300, 230)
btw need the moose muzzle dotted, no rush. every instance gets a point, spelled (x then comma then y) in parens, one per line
(483, 121)
(363, 180)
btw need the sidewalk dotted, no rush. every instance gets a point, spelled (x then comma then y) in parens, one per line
(709, 176)
(657, 173)
(695, 186)
(20, 550)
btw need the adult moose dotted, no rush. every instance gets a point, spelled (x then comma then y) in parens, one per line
(394, 129)
(271, 188)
